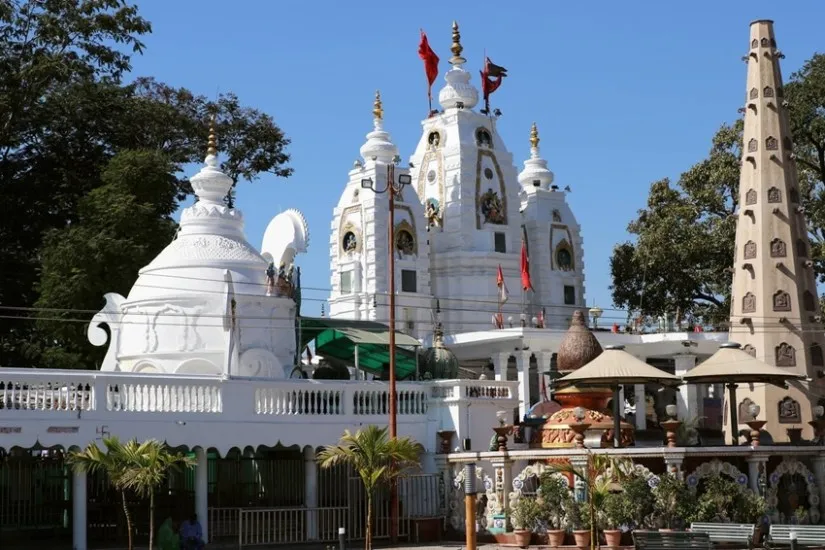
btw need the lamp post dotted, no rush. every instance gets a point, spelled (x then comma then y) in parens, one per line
(595, 313)
(393, 187)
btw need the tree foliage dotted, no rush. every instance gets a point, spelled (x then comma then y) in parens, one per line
(679, 261)
(69, 127)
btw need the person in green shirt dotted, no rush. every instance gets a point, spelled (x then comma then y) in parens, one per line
(168, 538)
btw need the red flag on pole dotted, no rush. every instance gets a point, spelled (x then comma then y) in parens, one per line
(526, 283)
(491, 77)
(426, 53)
(503, 293)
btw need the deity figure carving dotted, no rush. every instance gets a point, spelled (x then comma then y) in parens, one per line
(556, 216)
(778, 248)
(491, 207)
(745, 414)
(432, 211)
(748, 303)
(350, 242)
(785, 355)
(484, 138)
(750, 197)
(789, 411)
(771, 143)
(405, 243)
(781, 301)
(285, 286)
(750, 250)
(433, 140)
(774, 195)
(270, 279)
(752, 146)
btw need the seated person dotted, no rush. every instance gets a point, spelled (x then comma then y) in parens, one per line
(191, 534)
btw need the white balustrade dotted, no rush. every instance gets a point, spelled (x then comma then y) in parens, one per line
(299, 401)
(32, 390)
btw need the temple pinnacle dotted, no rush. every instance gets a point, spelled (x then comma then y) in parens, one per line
(456, 48)
(534, 136)
(212, 144)
(377, 109)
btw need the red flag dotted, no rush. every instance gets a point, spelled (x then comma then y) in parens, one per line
(503, 293)
(526, 284)
(488, 85)
(426, 53)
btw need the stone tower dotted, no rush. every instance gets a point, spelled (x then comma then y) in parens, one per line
(774, 312)
(359, 242)
(466, 179)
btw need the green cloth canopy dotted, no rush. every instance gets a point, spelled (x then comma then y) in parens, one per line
(336, 339)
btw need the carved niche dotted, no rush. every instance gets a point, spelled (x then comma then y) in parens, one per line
(785, 355)
(801, 248)
(765, 42)
(350, 242)
(774, 195)
(492, 208)
(789, 411)
(748, 303)
(754, 95)
(750, 250)
(767, 91)
(781, 301)
(745, 410)
(771, 143)
(750, 197)
(750, 350)
(809, 301)
(434, 140)
(404, 240)
(753, 145)
(556, 216)
(816, 355)
(483, 138)
(754, 43)
(778, 249)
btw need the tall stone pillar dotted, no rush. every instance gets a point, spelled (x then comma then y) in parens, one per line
(756, 468)
(641, 406)
(79, 510)
(687, 400)
(579, 485)
(503, 476)
(311, 492)
(202, 489)
(523, 366)
(500, 361)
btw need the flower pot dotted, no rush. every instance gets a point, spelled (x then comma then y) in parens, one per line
(555, 537)
(522, 537)
(613, 537)
(582, 538)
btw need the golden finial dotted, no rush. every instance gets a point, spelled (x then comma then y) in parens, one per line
(456, 48)
(377, 109)
(534, 136)
(212, 145)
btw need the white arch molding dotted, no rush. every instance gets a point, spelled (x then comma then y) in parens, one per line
(456, 501)
(792, 466)
(713, 468)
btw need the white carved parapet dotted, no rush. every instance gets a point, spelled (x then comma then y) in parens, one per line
(111, 315)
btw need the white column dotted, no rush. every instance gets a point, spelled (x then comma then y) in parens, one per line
(523, 368)
(687, 400)
(500, 361)
(641, 406)
(754, 465)
(543, 362)
(621, 402)
(202, 490)
(79, 510)
(311, 492)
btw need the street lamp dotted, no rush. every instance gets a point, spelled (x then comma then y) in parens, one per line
(595, 313)
(394, 188)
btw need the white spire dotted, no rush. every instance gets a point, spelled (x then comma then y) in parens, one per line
(379, 145)
(458, 88)
(210, 184)
(535, 168)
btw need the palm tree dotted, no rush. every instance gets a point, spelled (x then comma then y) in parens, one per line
(376, 458)
(600, 475)
(136, 467)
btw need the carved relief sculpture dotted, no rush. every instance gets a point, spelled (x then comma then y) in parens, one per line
(491, 207)
(349, 242)
(785, 355)
(754, 93)
(750, 197)
(750, 250)
(483, 138)
(745, 410)
(564, 256)
(774, 195)
(270, 279)
(432, 212)
(767, 91)
(748, 303)
(556, 216)
(771, 143)
(404, 242)
(753, 145)
(433, 140)
(789, 411)
(778, 248)
(781, 301)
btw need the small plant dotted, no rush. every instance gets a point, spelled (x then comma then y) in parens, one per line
(801, 515)
(631, 507)
(674, 504)
(578, 515)
(750, 508)
(526, 513)
(555, 498)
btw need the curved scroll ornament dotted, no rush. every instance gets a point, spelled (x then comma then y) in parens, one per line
(111, 315)
(713, 468)
(791, 466)
(456, 502)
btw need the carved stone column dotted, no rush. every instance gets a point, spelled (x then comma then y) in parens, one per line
(673, 463)
(443, 469)
(499, 515)
(757, 469)
(579, 485)
(500, 361)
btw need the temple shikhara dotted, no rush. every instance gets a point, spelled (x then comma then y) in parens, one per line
(499, 361)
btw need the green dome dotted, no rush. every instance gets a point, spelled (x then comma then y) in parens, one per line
(440, 362)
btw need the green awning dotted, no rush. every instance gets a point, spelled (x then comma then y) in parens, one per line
(337, 338)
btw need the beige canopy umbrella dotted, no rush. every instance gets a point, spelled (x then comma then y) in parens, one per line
(731, 365)
(613, 368)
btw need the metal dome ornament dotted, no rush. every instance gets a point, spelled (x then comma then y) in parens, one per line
(440, 362)
(579, 346)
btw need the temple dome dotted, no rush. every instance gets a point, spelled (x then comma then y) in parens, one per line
(535, 173)
(439, 362)
(578, 347)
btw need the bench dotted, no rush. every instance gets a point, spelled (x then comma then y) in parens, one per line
(735, 533)
(806, 535)
(671, 540)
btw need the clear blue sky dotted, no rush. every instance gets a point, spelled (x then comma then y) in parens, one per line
(624, 93)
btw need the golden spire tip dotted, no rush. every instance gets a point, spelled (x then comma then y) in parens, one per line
(456, 48)
(534, 136)
(212, 145)
(377, 108)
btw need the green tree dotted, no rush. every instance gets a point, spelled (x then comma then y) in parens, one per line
(375, 458)
(137, 467)
(680, 257)
(64, 114)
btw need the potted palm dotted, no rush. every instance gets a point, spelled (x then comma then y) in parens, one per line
(555, 497)
(674, 504)
(524, 515)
